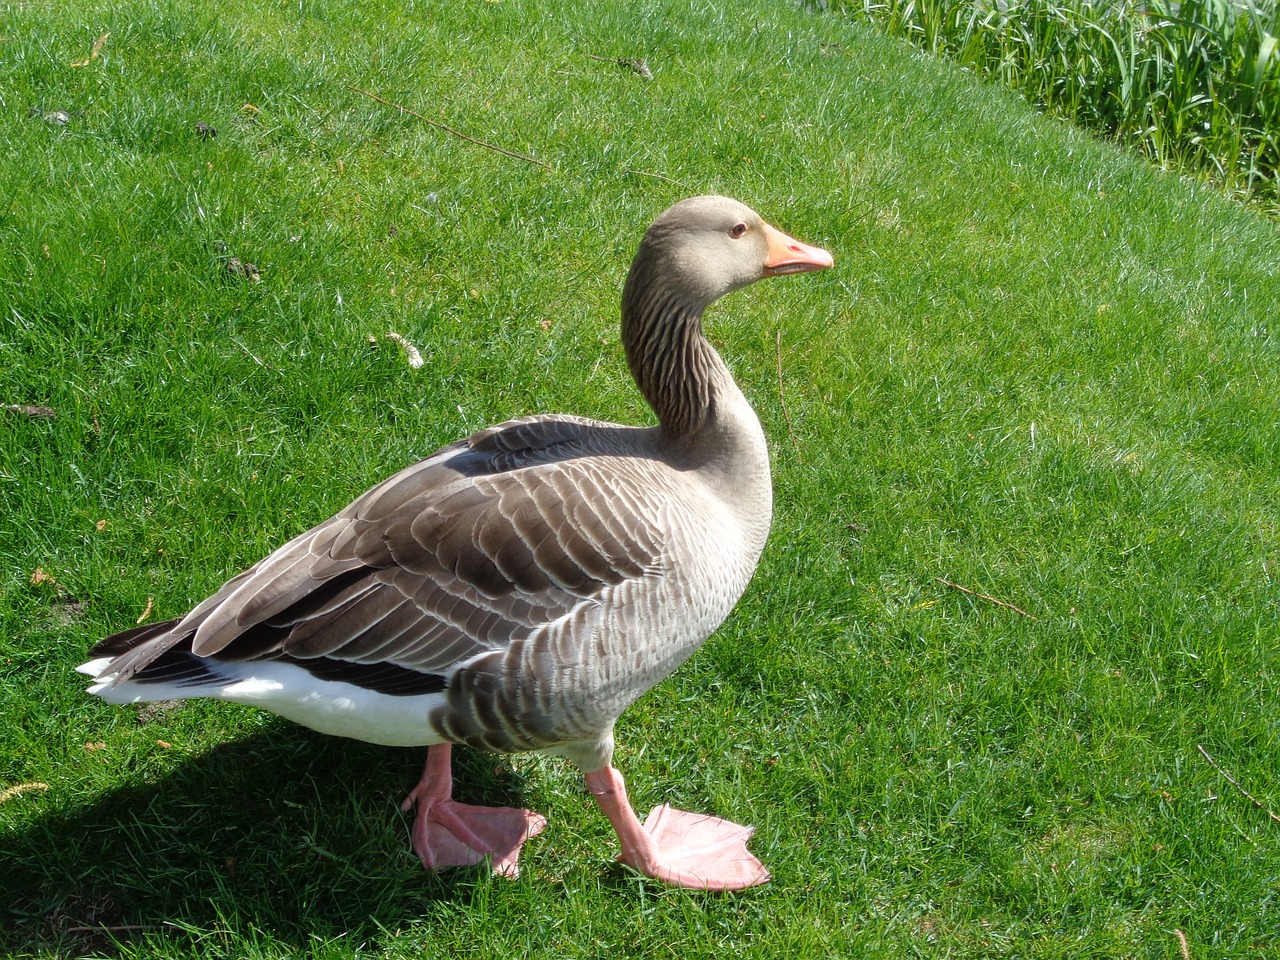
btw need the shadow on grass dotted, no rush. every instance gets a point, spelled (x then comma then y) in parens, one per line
(284, 836)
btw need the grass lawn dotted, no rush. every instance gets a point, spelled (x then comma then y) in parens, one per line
(1040, 371)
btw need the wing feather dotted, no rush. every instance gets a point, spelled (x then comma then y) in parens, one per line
(470, 550)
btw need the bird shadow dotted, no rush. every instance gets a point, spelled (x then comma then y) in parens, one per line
(284, 833)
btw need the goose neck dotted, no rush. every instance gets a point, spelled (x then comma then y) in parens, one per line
(677, 370)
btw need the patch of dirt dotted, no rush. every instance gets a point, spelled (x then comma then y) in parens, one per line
(157, 711)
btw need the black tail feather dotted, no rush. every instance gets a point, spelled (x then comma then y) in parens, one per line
(125, 640)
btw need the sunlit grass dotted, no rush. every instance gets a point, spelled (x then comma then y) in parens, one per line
(1194, 85)
(1040, 370)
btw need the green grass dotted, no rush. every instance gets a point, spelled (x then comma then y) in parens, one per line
(1040, 369)
(1192, 84)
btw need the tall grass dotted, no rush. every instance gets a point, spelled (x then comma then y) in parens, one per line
(1194, 85)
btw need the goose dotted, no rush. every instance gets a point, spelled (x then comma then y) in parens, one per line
(519, 589)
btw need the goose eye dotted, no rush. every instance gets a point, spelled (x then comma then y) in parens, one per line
(738, 231)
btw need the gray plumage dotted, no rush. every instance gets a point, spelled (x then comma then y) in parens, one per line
(521, 588)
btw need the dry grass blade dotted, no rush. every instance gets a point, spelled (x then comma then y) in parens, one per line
(1235, 783)
(18, 789)
(94, 53)
(656, 176)
(457, 133)
(411, 353)
(982, 596)
(636, 65)
(32, 410)
(782, 399)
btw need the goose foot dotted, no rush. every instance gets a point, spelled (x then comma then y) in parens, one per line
(684, 849)
(449, 834)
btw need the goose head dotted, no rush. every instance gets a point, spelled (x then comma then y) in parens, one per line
(706, 247)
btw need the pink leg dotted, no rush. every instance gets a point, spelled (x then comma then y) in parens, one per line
(448, 834)
(683, 849)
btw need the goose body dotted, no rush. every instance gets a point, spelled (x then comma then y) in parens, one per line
(505, 623)
(521, 588)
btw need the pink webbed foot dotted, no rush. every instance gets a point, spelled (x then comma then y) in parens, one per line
(450, 834)
(710, 851)
(684, 849)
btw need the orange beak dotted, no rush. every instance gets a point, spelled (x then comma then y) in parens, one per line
(787, 255)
